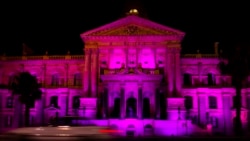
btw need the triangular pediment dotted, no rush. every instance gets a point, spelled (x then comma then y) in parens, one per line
(132, 25)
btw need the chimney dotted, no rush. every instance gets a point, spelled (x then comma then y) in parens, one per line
(216, 48)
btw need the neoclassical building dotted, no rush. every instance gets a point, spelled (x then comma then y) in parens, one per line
(131, 77)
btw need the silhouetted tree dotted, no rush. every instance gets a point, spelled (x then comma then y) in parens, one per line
(235, 62)
(27, 88)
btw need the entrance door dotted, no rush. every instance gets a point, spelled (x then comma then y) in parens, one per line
(131, 108)
(130, 133)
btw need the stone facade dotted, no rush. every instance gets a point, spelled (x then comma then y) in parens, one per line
(131, 77)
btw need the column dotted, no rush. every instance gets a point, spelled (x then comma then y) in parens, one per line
(178, 83)
(93, 72)
(105, 103)
(155, 61)
(157, 101)
(227, 114)
(66, 74)
(86, 72)
(122, 106)
(199, 73)
(202, 108)
(67, 84)
(140, 102)
(44, 75)
(40, 110)
(126, 52)
(18, 112)
(137, 57)
(168, 71)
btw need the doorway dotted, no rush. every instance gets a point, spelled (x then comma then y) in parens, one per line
(116, 108)
(131, 108)
(146, 108)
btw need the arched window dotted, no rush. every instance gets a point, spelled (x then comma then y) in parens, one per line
(77, 79)
(55, 80)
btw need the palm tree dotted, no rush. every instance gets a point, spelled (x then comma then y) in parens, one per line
(27, 88)
(235, 62)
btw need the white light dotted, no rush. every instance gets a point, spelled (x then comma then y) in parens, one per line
(133, 11)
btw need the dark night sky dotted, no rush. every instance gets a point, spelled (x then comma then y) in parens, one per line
(56, 26)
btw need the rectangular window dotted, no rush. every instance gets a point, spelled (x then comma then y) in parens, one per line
(54, 102)
(188, 102)
(212, 102)
(76, 102)
(187, 79)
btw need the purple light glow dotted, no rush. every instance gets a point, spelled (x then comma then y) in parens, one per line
(133, 81)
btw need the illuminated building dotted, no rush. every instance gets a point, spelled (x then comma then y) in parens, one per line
(131, 77)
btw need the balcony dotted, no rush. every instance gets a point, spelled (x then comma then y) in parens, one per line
(131, 71)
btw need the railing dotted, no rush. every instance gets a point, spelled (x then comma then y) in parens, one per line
(207, 86)
(132, 71)
(200, 55)
(61, 86)
(44, 57)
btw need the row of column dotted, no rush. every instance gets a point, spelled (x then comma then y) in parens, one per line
(107, 107)
(173, 70)
(90, 74)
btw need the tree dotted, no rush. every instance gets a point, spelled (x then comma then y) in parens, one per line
(27, 88)
(235, 62)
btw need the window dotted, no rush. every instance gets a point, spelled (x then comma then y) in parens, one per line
(76, 102)
(77, 79)
(9, 102)
(55, 80)
(211, 79)
(54, 101)
(187, 79)
(212, 102)
(188, 102)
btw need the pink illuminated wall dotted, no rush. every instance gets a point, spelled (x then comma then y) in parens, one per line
(131, 58)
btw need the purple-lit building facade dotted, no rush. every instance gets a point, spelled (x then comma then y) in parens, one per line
(131, 77)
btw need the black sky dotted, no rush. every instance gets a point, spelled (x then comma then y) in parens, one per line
(55, 26)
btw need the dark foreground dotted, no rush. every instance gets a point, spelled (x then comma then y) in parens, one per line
(210, 138)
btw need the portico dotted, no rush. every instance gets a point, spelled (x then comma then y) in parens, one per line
(134, 94)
